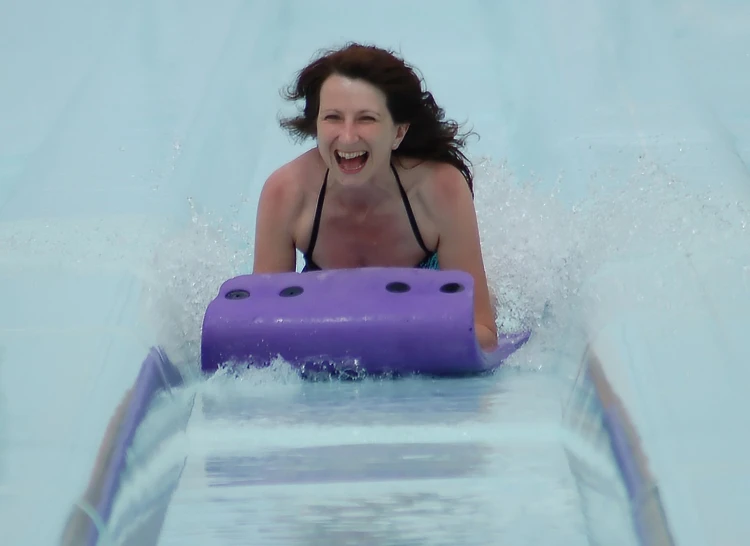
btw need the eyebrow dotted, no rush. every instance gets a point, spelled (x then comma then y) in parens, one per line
(337, 111)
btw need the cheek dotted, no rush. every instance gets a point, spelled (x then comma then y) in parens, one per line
(324, 138)
(381, 140)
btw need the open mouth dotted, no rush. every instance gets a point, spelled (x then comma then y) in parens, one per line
(351, 162)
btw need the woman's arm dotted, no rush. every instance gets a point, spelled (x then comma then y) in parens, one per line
(459, 245)
(274, 244)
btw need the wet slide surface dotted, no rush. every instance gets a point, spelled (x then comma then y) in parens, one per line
(135, 138)
(377, 463)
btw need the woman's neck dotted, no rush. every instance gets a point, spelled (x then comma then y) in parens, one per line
(368, 194)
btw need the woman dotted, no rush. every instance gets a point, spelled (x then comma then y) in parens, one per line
(386, 186)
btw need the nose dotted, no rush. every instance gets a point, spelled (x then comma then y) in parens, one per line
(348, 132)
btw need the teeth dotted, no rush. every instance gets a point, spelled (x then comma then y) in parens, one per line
(350, 155)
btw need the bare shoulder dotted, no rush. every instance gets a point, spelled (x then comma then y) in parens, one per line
(283, 183)
(282, 198)
(285, 189)
(445, 190)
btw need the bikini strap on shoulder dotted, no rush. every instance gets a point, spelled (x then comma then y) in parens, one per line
(316, 220)
(409, 211)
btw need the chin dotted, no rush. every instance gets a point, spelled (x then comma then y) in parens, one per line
(352, 181)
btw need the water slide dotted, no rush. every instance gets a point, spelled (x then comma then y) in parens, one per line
(612, 191)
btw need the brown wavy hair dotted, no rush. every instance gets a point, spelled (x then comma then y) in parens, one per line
(430, 135)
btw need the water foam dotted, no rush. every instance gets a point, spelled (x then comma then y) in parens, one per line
(185, 271)
(540, 249)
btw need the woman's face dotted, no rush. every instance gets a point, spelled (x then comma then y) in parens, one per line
(356, 133)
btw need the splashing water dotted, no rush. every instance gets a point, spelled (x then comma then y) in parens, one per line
(186, 272)
(539, 250)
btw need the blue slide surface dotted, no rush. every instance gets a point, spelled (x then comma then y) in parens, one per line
(612, 188)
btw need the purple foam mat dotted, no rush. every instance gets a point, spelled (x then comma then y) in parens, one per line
(370, 321)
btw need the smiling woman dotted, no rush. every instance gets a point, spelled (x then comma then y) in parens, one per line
(397, 188)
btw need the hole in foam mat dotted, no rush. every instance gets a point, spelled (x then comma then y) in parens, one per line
(237, 294)
(397, 287)
(291, 291)
(452, 288)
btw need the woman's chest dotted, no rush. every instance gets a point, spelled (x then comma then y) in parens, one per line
(374, 238)
(368, 239)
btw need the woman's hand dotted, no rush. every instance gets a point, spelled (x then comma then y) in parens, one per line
(487, 338)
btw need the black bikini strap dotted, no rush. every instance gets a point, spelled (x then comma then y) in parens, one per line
(409, 212)
(316, 220)
(404, 198)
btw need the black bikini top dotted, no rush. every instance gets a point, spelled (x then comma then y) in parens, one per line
(430, 261)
